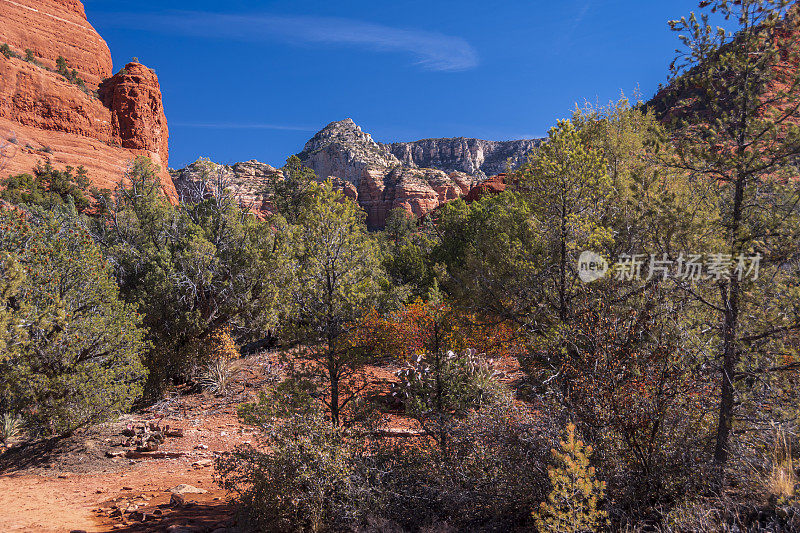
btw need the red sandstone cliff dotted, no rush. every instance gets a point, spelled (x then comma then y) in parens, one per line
(47, 117)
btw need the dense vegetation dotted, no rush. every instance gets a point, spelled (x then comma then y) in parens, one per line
(653, 397)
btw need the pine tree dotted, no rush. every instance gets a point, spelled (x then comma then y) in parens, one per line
(735, 105)
(566, 182)
(573, 505)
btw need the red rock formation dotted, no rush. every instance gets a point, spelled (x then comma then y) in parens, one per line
(493, 185)
(49, 118)
(137, 115)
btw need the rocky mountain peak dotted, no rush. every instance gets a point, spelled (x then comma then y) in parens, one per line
(342, 150)
(346, 134)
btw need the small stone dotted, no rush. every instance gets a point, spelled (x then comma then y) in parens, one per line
(177, 500)
(181, 529)
(186, 489)
(127, 488)
(63, 475)
(203, 463)
(78, 531)
(201, 447)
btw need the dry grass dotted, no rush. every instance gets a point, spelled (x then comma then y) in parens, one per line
(782, 480)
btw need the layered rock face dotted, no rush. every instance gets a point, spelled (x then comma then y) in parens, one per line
(53, 28)
(45, 117)
(371, 174)
(472, 156)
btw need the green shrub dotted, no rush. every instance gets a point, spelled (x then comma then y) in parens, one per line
(30, 57)
(313, 478)
(49, 188)
(7, 52)
(73, 347)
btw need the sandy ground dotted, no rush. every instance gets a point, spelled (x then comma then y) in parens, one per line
(76, 483)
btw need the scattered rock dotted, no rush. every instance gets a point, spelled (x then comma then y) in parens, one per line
(181, 529)
(153, 455)
(186, 489)
(139, 516)
(201, 447)
(63, 475)
(78, 531)
(177, 500)
(115, 454)
(174, 433)
(127, 488)
(203, 463)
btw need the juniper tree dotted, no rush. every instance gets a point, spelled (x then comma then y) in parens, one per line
(73, 348)
(192, 269)
(337, 280)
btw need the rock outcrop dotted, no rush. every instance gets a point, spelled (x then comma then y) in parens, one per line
(494, 185)
(137, 114)
(250, 181)
(100, 125)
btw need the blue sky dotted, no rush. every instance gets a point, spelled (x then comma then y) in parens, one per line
(254, 80)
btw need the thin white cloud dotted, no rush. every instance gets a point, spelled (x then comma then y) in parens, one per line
(239, 126)
(431, 50)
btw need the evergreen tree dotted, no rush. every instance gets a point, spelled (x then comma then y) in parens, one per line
(293, 190)
(573, 505)
(735, 110)
(192, 269)
(566, 183)
(338, 279)
(73, 347)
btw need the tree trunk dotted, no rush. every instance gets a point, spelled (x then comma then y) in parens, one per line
(730, 332)
(333, 376)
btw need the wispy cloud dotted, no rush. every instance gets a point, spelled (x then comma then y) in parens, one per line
(566, 37)
(239, 126)
(430, 50)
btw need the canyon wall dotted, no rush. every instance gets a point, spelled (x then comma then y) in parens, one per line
(471, 156)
